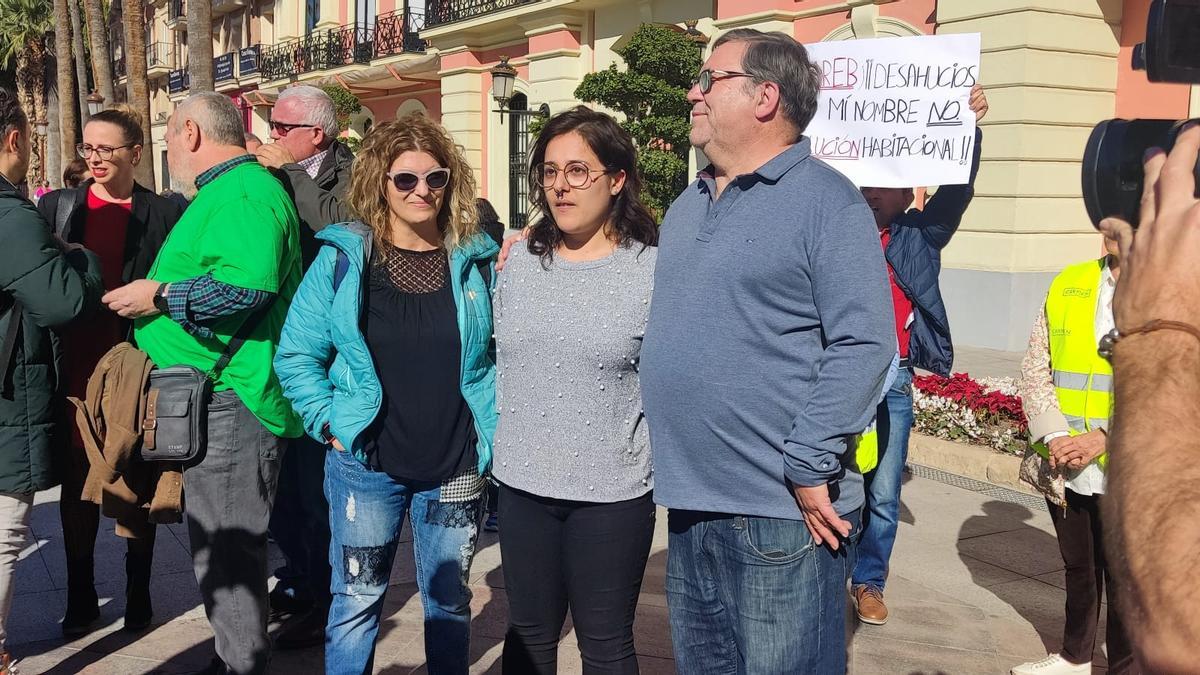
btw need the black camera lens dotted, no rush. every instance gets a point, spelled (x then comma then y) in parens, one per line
(1113, 179)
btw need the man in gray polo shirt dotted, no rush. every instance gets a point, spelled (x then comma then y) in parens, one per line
(769, 338)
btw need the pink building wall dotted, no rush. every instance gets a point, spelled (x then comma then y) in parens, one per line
(385, 107)
(1137, 96)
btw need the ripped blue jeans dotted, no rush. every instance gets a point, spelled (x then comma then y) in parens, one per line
(366, 512)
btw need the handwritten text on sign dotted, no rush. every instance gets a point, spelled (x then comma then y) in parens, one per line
(893, 112)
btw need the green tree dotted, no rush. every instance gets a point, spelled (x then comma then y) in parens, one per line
(23, 28)
(651, 94)
(345, 105)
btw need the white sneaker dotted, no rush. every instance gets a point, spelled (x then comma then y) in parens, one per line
(1052, 665)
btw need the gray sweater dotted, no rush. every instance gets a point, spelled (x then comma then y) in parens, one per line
(568, 343)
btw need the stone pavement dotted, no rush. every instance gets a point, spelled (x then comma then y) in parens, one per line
(976, 587)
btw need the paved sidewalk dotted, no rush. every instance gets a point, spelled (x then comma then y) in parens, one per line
(975, 588)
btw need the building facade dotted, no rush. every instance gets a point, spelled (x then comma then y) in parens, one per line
(1052, 69)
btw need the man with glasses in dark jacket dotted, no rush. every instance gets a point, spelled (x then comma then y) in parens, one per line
(44, 283)
(912, 242)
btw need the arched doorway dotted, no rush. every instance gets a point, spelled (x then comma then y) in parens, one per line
(518, 158)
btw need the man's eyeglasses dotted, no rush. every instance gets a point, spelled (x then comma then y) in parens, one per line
(707, 76)
(407, 181)
(85, 151)
(577, 174)
(283, 129)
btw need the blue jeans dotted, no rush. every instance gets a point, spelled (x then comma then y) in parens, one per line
(881, 515)
(366, 511)
(755, 595)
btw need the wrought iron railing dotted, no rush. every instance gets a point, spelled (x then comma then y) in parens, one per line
(317, 51)
(175, 11)
(438, 12)
(158, 55)
(396, 32)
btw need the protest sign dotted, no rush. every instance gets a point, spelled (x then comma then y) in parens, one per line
(893, 112)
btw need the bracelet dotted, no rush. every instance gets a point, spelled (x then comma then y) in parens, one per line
(1110, 339)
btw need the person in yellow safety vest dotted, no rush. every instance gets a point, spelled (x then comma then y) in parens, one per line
(866, 444)
(1066, 389)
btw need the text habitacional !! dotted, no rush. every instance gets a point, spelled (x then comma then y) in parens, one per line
(864, 147)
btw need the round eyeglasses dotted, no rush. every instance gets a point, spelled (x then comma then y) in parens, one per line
(577, 174)
(407, 181)
(85, 151)
(708, 76)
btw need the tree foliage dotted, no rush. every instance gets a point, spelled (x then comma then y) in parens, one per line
(345, 104)
(651, 94)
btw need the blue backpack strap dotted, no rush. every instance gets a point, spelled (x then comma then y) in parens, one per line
(340, 267)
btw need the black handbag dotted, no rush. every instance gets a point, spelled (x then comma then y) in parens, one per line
(174, 428)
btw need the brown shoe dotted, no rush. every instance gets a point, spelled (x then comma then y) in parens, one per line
(868, 603)
(7, 663)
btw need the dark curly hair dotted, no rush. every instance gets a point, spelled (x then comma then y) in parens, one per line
(630, 219)
(11, 114)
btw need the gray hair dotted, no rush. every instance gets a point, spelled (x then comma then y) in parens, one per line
(317, 105)
(216, 115)
(253, 137)
(779, 58)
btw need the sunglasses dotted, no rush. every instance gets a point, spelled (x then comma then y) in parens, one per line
(708, 76)
(407, 181)
(283, 129)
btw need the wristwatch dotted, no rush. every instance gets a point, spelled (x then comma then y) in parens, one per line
(160, 299)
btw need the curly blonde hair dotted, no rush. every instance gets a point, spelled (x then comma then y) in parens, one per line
(457, 219)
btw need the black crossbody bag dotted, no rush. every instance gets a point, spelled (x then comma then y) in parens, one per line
(175, 426)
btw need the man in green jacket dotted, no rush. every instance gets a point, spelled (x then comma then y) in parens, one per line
(43, 283)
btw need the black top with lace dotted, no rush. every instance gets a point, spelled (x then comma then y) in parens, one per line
(424, 431)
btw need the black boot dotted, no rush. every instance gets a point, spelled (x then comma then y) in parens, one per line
(138, 611)
(83, 607)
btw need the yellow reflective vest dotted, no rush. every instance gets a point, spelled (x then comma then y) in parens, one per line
(1083, 380)
(866, 448)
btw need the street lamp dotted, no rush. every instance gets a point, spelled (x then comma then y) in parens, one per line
(504, 78)
(40, 127)
(700, 40)
(95, 102)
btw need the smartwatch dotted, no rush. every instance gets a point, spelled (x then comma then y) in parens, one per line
(160, 299)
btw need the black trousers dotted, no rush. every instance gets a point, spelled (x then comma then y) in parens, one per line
(583, 555)
(1080, 539)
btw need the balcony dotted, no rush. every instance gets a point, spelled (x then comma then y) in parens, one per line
(396, 32)
(441, 12)
(158, 59)
(318, 51)
(178, 81)
(176, 15)
(220, 7)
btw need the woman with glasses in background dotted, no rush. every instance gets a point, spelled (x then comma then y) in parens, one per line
(124, 223)
(572, 450)
(385, 356)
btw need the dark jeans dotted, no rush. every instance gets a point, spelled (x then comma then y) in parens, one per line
(882, 514)
(755, 595)
(1080, 539)
(228, 498)
(300, 521)
(583, 555)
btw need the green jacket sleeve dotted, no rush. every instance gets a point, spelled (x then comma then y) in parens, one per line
(53, 287)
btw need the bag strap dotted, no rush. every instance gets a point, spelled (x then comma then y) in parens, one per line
(66, 200)
(239, 338)
(8, 347)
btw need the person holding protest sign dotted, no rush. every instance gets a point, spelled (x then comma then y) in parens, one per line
(912, 241)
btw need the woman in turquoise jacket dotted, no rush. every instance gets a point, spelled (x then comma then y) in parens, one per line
(385, 356)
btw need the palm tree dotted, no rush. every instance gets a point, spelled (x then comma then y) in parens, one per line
(81, 78)
(23, 28)
(137, 82)
(98, 36)
(68, 113)
(200, 51)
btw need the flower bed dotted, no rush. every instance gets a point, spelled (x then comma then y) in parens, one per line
(981, 412)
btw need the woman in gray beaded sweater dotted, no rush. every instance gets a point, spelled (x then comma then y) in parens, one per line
(572, 453)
